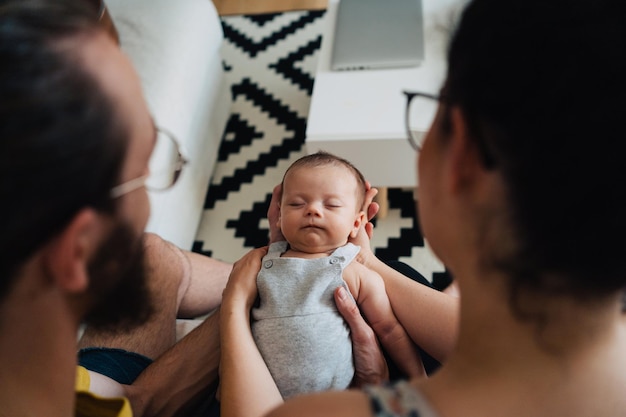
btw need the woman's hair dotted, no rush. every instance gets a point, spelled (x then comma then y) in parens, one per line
(542, 84)
(322, 158)
(61, 145)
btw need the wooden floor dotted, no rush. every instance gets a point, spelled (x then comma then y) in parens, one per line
(229, 7)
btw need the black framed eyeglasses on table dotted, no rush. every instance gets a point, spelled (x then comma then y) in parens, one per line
(165, 166)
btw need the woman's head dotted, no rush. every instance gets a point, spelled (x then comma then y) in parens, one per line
(541, 85)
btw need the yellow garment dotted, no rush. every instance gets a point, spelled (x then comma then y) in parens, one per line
(90, 405)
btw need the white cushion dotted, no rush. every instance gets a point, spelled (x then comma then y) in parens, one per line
(175, 47)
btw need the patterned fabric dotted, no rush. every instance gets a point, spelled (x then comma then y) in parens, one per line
(398, 400)
(270, 61)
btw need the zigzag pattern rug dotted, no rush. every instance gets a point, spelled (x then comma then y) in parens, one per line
(270, 61)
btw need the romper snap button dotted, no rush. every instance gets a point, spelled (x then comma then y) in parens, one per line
(334, 260)
(268, 264)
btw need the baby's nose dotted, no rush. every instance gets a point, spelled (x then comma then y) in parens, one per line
(314, 209)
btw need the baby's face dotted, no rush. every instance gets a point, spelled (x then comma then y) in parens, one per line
(319, 208)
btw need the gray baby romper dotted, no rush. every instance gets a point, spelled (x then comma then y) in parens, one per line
(298, 330)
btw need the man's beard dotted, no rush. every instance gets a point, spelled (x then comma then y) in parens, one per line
(118, 283)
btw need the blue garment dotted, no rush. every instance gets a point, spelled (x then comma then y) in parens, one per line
(118, 364)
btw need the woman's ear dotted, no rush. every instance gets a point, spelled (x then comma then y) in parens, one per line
(67, 256)
(358, 221)
(465, 164)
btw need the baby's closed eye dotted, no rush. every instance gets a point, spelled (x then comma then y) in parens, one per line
(333, 204)
(295, 202)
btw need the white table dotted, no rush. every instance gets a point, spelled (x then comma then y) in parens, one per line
(359, 115)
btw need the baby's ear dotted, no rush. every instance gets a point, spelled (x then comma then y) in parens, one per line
(358, 221)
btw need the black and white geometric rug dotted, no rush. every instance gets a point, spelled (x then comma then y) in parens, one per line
(270, 61)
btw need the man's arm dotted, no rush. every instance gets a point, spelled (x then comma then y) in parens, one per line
(180, 377)
(208, 278)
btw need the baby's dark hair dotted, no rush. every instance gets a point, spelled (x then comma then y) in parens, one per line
(322, 158)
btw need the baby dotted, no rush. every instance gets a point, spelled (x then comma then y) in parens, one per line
(303, 339)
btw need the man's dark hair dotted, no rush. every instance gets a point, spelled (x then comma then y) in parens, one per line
(61, 148)
(542, 84)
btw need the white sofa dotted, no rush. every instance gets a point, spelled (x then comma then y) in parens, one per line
(175, 47)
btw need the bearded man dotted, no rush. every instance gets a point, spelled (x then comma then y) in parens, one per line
(76, 140)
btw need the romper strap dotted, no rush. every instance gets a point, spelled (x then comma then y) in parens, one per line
(346, 254)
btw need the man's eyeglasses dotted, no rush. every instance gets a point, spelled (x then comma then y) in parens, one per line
(420, 112)
(165, 165)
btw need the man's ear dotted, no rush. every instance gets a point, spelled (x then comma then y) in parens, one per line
(358, 221)
(67, 256)
(464, 157)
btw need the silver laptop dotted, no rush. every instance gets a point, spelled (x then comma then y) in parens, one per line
(374, 34)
